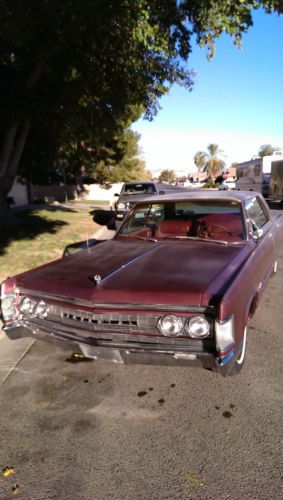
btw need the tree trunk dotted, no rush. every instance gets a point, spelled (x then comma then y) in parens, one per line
(13, 146)
(14, 143)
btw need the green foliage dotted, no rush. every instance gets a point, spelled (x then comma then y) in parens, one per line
(267, 150)
(78, 73)
(213, 164)
(200, 160)
(167, 176)
(120, 162)
(210, 184)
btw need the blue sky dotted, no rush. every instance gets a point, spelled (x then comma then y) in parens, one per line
(237, 102)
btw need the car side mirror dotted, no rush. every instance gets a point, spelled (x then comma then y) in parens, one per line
(104, 218)
(257, 234)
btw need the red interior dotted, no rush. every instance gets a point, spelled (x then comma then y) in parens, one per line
(227, 227)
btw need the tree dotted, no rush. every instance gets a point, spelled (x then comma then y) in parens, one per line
(167, 176)
(213, 163)
(121, 161)
(266, 150)
(200, 160)
(74, 71)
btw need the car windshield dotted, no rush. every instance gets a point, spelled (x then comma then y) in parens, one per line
(139, 188)
(218, 220)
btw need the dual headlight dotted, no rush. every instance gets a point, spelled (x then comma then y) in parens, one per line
(29, 306)
(174, 326)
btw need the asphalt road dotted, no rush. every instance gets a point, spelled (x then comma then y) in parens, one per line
(98, 431)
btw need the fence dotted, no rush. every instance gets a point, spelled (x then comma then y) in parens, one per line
(62, 193)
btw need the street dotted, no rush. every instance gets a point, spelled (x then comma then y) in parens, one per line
(73, 429)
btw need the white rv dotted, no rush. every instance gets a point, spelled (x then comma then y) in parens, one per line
(276, 181)
(256, 174)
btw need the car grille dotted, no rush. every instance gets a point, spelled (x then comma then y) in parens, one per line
(108, 322)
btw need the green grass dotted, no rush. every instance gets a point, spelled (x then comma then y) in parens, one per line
(41, 236)
(90, 202)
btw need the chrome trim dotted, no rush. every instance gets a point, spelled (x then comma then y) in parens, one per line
(126, 306)
(117, 340)
(103, 321)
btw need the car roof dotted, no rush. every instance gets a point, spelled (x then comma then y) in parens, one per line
(202, 194)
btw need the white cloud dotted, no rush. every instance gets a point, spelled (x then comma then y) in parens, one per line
(174, 149)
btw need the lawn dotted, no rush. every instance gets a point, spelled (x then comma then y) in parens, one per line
(41, 236)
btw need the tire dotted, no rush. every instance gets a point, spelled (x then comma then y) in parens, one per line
(239, 362)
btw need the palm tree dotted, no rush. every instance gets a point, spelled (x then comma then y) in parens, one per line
(213, 163)
(200, 159)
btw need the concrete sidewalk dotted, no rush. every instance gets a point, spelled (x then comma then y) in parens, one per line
(12, 352)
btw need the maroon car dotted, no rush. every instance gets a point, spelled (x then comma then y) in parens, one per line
(176, 285)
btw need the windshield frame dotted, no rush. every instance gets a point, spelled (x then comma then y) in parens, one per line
(149, 205)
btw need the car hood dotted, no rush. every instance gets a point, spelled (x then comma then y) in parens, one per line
(140, 272)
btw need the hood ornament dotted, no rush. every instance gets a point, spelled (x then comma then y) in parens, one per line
(95, 279)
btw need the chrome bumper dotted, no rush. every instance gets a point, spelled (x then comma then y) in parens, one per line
(120, 348)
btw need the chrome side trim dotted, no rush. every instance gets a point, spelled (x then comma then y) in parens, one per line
(126, 306)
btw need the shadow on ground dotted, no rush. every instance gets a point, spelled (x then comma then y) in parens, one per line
(27, 225)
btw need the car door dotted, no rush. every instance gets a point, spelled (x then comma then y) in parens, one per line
(260, 228)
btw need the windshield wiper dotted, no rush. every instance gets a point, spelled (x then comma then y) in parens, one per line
(198, 238)
(138, 238)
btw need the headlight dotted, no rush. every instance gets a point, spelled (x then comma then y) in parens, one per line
(197, 327)
(41, 309)
(8, 300)
(170, 325)
(26, 305)
(8, 307)
(121, 206)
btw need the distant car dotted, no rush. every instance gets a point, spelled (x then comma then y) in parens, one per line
(227, 184)
(132, 192)
(176, 285)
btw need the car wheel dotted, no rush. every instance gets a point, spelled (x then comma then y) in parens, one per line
(240, 360)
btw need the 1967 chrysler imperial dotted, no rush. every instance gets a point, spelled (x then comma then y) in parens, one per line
(176, 285)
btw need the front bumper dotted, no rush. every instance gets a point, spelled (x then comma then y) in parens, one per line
(120, 348)
(127, 348)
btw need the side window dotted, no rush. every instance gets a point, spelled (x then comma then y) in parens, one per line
(256, 213)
